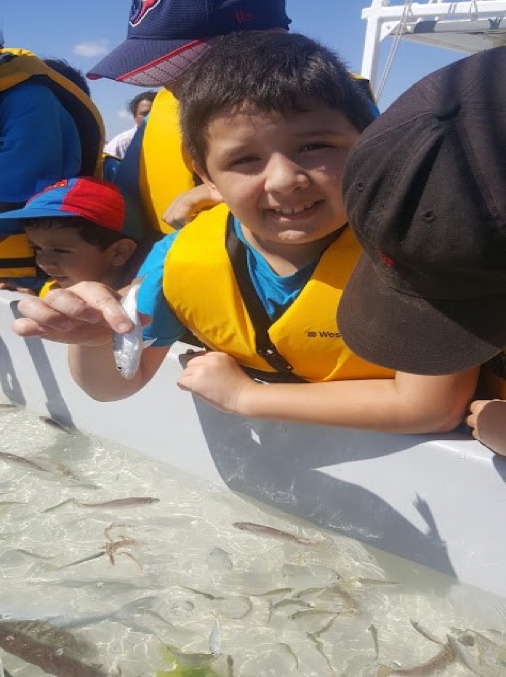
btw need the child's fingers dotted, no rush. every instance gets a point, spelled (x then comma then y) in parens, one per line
(28, 328)
(38, 312)
(471, 420)
(477, 406)
(91, 302)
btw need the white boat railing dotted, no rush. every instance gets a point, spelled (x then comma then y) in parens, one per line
(462, 26)
(436, 500)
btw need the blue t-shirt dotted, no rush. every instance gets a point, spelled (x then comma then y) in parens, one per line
(39, 142)
(276, 293)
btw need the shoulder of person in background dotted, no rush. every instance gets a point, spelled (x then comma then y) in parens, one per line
(118, 145)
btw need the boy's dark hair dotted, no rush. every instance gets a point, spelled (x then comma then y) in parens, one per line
(89, 231)
(64, 68)
(143, 96)
(281, 72)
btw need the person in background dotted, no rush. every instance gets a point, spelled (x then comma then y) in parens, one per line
(139, 107)
(73, 74)
(82, 229)
(49, 129)
(269, 137)
(425, 192)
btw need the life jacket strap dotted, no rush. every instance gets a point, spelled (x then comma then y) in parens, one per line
(259, 318)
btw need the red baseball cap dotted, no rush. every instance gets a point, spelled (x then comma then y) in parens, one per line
(100, 202)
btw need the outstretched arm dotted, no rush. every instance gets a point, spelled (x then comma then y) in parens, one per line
(406, 404)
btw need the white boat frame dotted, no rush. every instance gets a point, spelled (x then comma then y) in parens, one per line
(436, 500)
(463, 26)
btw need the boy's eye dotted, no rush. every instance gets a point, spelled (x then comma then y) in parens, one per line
(61, 251)
(243, 160)
(314, 146)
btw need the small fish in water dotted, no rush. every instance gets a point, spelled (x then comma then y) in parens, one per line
(206, 595)
(291, 602)
(424, 632)
(127, 348)
(319, 647)
(272, 532)
(34, 554)
(21, 460)
(290, 652)
(374, 634)
(50, 659)
(433, 666)
(353, 605)
(215, 639)
(191, 660)
(462, 653)
(115, 503)
(305, 613)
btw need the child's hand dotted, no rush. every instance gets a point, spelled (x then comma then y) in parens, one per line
(10, 286)
(187, 206)
(488, 423)
(217, 379)
(84, 314)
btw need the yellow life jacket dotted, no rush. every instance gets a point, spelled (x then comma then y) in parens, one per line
(207, 286)
(48, 286)
(164, 167)
(365, 85)
(17, 66)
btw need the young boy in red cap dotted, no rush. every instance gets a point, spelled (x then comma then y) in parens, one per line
(81, 229)
(258, 278)
(425, 191)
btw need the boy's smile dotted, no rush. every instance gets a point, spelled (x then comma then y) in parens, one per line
(281, 176)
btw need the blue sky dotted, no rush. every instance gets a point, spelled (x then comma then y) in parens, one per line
(81, 31)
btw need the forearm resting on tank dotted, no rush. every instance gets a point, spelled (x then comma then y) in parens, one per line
(94, 370)
(406, 404)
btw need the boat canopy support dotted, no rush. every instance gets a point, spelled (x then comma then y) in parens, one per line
(462, 26)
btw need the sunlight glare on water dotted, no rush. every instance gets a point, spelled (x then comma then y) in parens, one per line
(114, 565)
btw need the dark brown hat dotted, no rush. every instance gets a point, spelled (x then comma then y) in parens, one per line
(425, 192)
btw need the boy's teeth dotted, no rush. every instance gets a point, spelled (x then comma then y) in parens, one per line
(294, 210)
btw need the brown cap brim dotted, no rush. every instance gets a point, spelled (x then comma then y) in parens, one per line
(415, 335)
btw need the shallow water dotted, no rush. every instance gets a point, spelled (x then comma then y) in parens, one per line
(171, 587)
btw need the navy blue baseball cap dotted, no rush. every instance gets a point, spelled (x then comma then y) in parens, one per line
(166, 36)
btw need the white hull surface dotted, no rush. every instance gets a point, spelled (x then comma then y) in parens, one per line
(440, 501)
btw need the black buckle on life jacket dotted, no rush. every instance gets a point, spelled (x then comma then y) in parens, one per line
(275, 359)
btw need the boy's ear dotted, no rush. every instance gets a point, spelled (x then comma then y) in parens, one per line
(121, 251)
(215, 193)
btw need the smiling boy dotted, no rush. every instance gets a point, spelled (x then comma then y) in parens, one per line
(269, 121)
